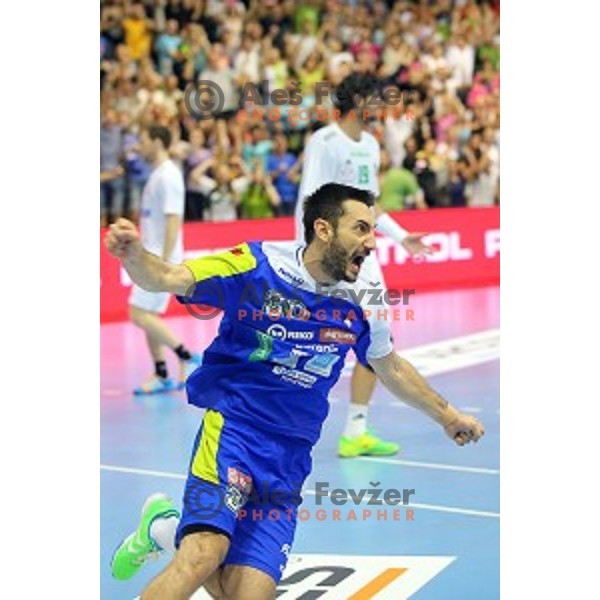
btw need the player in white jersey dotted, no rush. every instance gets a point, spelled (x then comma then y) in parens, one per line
(163, 201)
(345, 153)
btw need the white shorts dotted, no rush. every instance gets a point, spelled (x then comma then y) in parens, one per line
(156, 302)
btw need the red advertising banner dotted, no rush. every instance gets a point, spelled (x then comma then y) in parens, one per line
(466, 242)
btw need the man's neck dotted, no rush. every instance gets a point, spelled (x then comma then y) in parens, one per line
(161, 157)
(353, 128)
(312, 259)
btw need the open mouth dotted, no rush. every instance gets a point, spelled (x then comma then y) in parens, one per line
(356, 262)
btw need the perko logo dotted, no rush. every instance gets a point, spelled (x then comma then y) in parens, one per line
(279, 332)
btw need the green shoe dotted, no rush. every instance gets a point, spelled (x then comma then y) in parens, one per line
(366, 444)
(138, 547)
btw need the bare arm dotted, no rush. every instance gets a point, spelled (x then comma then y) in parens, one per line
(171, 231)
(403, 380)
(146, 270)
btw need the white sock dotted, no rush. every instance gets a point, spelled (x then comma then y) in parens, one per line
(357, 420)
(162, 532)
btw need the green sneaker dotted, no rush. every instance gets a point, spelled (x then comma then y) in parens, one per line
(366, 444)
(138, 547)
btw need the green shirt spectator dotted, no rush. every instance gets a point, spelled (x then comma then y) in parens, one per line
(307, 12)
(490, 54)
(398, 186)
(260, 198)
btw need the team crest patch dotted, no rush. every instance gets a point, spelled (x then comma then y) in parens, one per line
(237, 251)
(239, 486)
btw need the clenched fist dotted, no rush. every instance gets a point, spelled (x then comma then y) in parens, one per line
(462, 428)
(123, 239)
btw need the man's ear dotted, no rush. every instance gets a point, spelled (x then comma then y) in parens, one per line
(323, 230)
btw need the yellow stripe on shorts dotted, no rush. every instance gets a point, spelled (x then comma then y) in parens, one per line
(204, 465)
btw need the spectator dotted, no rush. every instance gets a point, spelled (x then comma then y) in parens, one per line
(399, 188)
(461, 60)
(455, 193)
(443, 57)
(220, 196)
(112, 186)
(167, 46)
(137, 32)
(283, 168)
(260, 199)
(258, 146)
(136, 167)
(219, 72)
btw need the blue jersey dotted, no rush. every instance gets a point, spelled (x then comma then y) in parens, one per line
(282, 339)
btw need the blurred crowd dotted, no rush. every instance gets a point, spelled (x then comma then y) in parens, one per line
(443, 55)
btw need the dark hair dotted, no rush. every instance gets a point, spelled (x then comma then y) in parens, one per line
(355, 84)
(158, 132)
(326, 203)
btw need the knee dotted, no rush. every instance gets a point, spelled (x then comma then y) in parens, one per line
(137, 316)
(200, 555)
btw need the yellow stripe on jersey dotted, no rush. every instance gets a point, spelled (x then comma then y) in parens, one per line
(205, 460)
(224, 264)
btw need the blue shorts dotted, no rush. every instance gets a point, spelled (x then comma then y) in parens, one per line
(246, 484)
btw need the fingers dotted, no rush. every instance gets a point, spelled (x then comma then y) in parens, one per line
(466, 430)
(119, 237)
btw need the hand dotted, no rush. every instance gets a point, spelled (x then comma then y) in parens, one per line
(123, 239)
(415, 246)
(462, 428)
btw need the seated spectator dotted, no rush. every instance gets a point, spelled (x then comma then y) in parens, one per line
(283, 168)
(399, 188)
(260, 199)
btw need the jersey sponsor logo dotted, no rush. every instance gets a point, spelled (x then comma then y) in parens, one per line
(294, 279)
(237, 251)
(279, 332)
(321, 347)
(295, 376)
(337, 336)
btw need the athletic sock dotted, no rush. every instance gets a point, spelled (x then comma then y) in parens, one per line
(160, 368)
(182, 352)
(162, 533)
(357, 420)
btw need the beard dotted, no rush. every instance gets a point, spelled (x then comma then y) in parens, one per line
(337, 260)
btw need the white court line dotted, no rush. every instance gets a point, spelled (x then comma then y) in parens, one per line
(452, 354)
(459, 511)
(147, 472)
(424, 465)
(434, 507)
